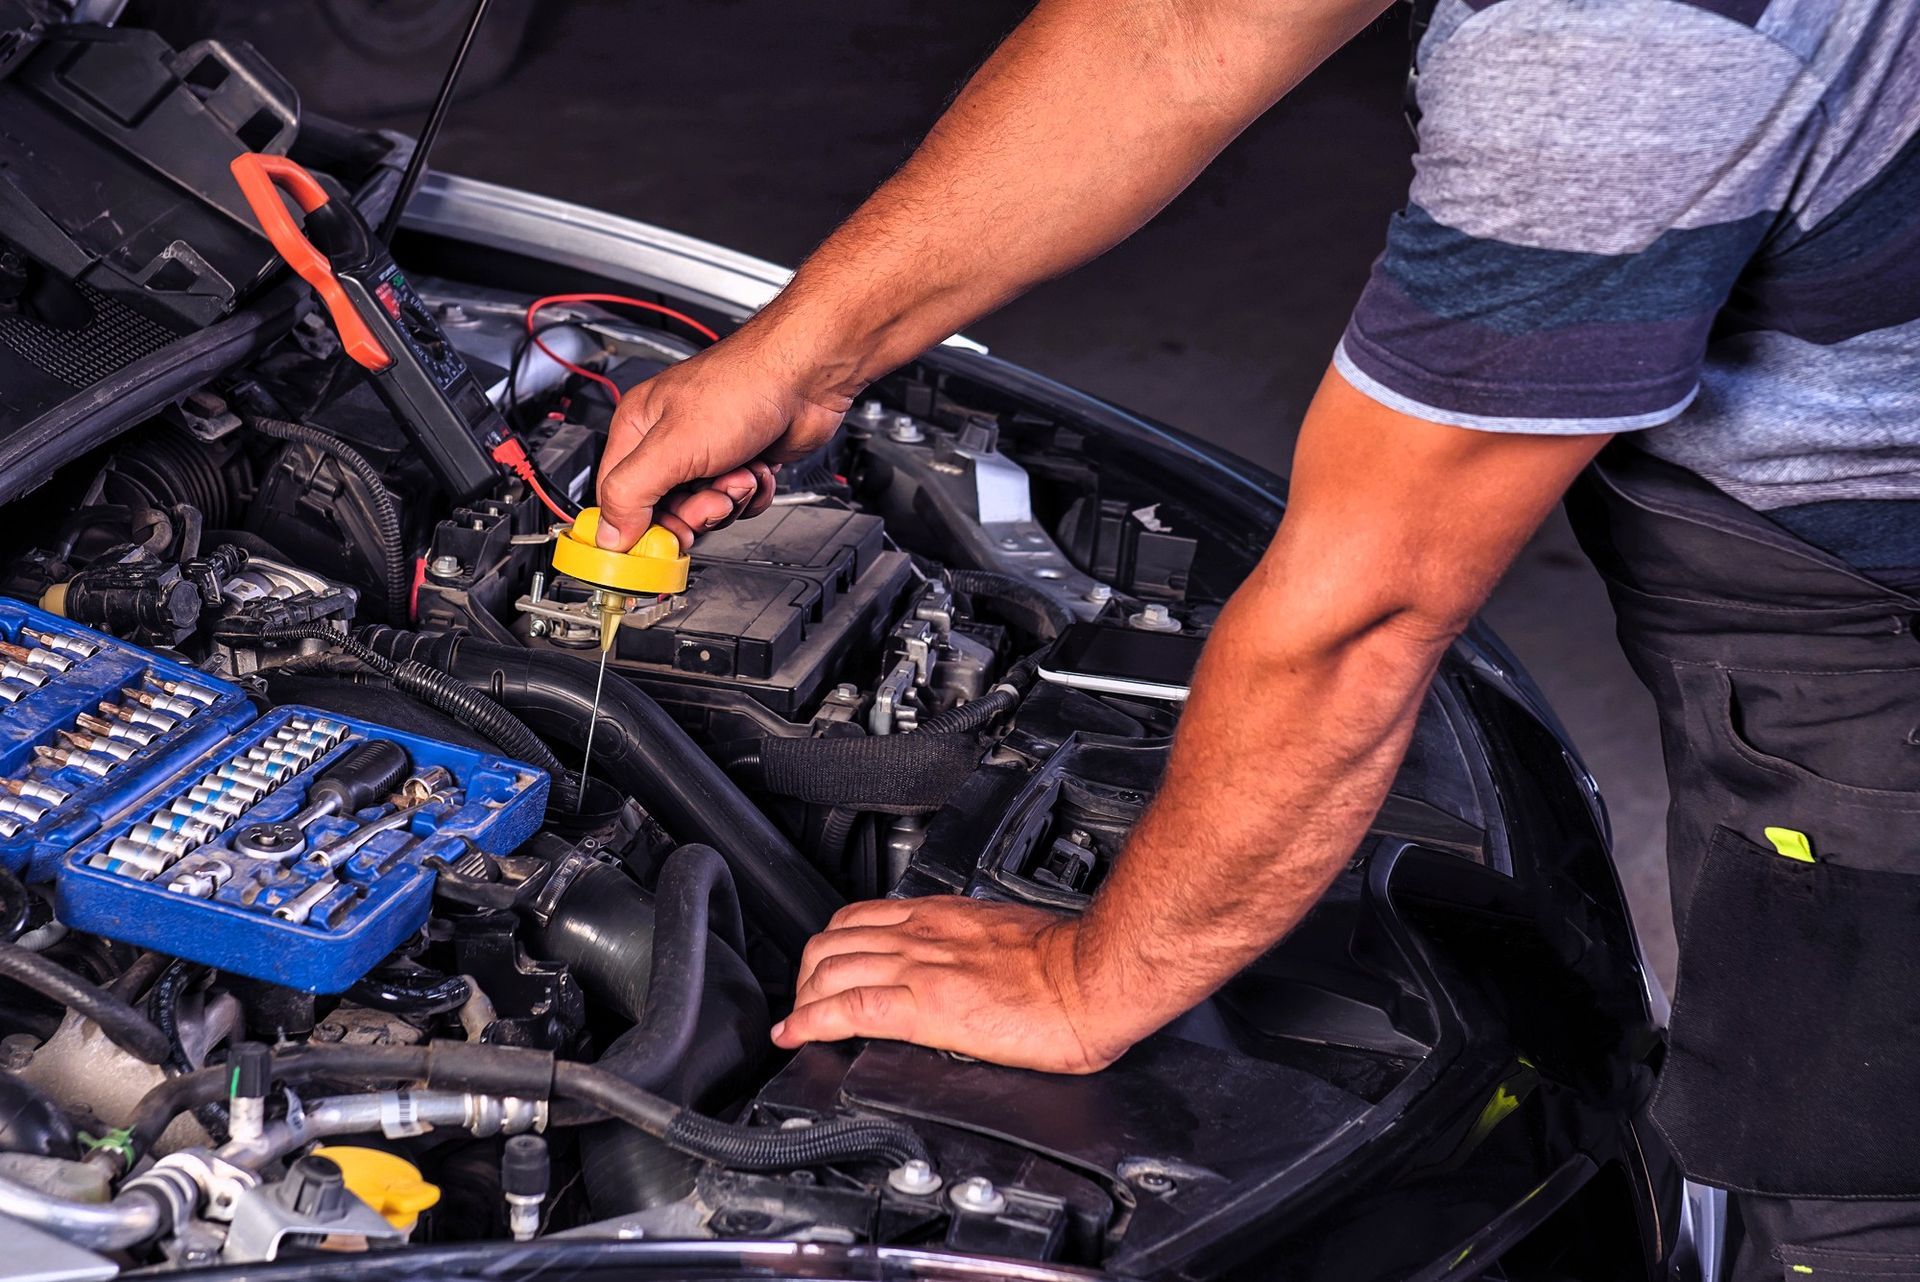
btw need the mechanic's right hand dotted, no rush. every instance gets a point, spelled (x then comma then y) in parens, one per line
(694, 447)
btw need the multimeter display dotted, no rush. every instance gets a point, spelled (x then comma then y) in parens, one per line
(418, 329)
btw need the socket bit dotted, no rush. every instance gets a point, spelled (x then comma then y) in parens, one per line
(35, 790)
(35, 655)
(182, 690)
(99, 745)
(66, 645)
(141, 735)
(228, 799)
(161, 702)
(60, 758)
(139, 716)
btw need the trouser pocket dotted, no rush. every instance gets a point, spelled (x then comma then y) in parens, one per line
(1792, 1067)
(1798, 1263)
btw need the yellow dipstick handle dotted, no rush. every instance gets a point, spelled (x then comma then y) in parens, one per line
(652, 566)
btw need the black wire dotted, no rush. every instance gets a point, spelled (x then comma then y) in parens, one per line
(163, 1005)
(417, 165)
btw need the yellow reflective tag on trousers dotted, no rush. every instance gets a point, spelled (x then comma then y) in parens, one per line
(1792, 843)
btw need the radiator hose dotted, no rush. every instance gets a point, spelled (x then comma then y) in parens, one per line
(645, 751)
(699, 1019)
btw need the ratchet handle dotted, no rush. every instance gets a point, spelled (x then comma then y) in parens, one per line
(362, 776)
(262, 178)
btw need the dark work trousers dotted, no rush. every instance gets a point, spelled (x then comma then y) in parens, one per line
(1788, 686)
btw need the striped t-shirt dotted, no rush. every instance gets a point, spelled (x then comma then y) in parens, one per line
(1694, 220)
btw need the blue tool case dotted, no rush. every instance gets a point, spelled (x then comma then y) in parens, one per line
(159, 805)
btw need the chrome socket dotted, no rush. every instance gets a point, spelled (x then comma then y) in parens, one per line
(222, 795)
(70, 646)
(24, 809)
(141, 735)
(23, 674)
(140, 716)
(181, 690)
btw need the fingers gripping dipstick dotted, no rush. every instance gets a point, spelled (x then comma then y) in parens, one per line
(655, 566)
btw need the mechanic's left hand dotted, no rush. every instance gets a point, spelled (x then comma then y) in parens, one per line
(999, 982)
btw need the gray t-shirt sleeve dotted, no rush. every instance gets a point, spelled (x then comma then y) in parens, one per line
(1593, 177)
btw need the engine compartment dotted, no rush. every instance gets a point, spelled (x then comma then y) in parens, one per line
(863, 692)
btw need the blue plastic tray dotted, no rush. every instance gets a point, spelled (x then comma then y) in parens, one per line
(501, 804)
(37, 718)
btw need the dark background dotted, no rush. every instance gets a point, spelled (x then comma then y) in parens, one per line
(760, 123)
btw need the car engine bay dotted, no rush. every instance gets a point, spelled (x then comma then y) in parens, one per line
(317, 936)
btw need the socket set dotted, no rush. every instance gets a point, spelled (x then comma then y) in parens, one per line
(296, 846)
(86, 720)
(300, 851)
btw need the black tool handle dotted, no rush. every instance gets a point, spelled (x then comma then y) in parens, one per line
(364, 775)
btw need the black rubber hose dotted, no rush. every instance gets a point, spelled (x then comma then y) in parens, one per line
(396, 575)
(768, 1148)
(164, 1005)
(636, 954)
(695, 890)
(16, 907)
(443, 693)
(124, 1026)
(1019, 603)
(465, 704)
(975, 714)
(411, 995)
(644, 750)
(608, 932)
(966, 718)
(835, 829)
(530, 1074)
(30, 1122)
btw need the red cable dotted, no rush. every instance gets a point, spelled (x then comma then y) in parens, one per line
(540, 493)
(623, 300)
(512, 455)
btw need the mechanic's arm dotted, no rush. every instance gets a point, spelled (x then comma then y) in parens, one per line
(1090, 117)
(1395, 531)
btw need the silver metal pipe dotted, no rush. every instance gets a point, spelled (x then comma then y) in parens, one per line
(391, 1113)
(127, 1221)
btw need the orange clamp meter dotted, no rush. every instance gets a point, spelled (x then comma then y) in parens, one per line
(384, 325)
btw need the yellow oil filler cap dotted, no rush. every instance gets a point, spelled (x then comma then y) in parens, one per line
(653, 566)
(390, 1185)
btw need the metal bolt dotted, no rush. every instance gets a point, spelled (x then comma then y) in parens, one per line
(914, 1177)
(1154, 1182)
(904, 430)
(1099, 594)
(1155, 618)
(979, 1195)
(16, 1051)
(1012, 545)
(871, 409)
(444, 567)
